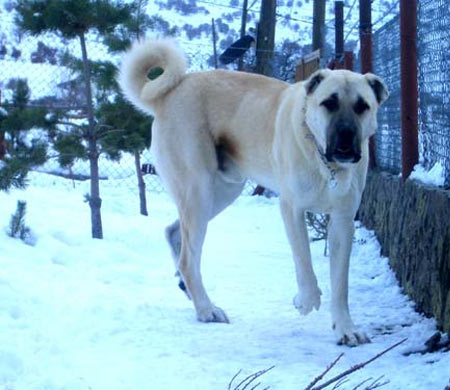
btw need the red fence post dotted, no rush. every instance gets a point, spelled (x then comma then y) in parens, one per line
(365, 37)
(409, 89)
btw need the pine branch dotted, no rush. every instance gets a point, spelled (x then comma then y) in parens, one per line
(64, 123)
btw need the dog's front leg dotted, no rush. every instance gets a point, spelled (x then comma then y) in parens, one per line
(308, 296)
(340, 232)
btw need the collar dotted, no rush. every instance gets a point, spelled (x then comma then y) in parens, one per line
(333, 171)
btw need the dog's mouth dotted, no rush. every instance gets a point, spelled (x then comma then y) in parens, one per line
(341, 155)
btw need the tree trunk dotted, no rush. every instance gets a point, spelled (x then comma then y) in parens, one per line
(2, 145)
(95, 201)
(141, 184)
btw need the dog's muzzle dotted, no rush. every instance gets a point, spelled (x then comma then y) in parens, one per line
(344, 144)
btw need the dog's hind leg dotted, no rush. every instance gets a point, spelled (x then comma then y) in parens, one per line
(195, 211)
(173, 237)
(224, 194)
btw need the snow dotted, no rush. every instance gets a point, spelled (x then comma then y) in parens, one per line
(79, 314)
(435, 176)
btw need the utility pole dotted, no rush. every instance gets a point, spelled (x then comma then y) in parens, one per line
(243, 28)
(318, 25)
(265, 41)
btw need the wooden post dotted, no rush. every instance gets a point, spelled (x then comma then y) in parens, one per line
(318, 25)
(339, 31)
(265, 41)
(409, 88)
(214, 43)
(365, 36)
(348, 60)
(243, 28)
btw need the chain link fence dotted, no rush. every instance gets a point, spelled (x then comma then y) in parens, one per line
(386, 64)
(53, 85)
(433, 44)
(434, 83)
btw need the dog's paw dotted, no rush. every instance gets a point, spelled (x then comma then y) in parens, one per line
(350, 336)
(305, 301)
(212, 314)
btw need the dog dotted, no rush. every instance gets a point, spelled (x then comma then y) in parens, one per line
(307, 141)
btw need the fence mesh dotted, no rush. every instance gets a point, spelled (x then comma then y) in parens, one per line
(386, 64)
(433, 45)
(54, 85)
(434, 83)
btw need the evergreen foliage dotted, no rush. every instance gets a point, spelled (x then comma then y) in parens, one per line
(129, 130)
(71, 19)
(24, 150)
(124, 129)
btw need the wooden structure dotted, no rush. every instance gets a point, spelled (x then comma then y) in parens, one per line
(307, 66)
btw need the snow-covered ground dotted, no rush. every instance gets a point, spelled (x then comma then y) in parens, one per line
(434, 176)
(79, 314)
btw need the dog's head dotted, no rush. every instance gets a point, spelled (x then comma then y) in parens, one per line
(341, 111)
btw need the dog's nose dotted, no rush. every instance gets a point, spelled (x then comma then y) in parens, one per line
(344, 144)
(345, 140)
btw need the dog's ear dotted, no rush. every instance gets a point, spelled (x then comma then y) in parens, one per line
(378, 86)
(314, 80)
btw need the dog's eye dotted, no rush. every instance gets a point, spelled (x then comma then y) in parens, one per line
(331, 104)
(360, 106)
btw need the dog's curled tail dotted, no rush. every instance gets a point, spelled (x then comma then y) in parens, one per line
(140, 60)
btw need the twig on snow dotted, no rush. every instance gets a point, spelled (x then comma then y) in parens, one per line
(376, 384)
(247, 381)
(320, 377)
(352, 370)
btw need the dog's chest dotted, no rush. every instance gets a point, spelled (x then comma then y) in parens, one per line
(323, 195)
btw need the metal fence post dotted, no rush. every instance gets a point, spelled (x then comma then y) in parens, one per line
(409, 90)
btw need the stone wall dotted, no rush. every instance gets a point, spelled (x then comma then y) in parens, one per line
(412, 223)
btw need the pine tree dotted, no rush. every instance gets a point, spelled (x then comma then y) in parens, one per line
(74, 19)
(129, 131)
(126, 129)
(23, 150)
(17, 227)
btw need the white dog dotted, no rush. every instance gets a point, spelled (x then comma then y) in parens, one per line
(308, 141)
